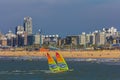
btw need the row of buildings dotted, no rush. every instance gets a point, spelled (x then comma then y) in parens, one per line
(24, 36)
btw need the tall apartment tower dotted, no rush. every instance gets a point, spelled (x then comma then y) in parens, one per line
(96, 38)
(28, 25)
(83, 38)
(89, 38)
(102, 38)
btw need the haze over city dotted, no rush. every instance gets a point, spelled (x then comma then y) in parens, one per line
(60, 16)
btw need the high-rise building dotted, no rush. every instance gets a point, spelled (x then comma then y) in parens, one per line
(11, 38)
(28, 25)
(89, 38)
(19, 30)
(30, 40)
(3, 40)
(83, 39)
(37, 39)
(102, 38)
(20, 40)
(49, 39)
(72, 40)
(96, 38)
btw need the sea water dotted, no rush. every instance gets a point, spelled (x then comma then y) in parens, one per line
(36, 69)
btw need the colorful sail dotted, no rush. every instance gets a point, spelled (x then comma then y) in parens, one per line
(52, 64)
(61, 62)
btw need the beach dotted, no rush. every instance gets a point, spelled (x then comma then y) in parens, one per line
(66, 54)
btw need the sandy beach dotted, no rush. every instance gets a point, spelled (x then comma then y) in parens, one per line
(66, 54)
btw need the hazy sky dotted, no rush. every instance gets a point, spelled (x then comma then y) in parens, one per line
(60, 16)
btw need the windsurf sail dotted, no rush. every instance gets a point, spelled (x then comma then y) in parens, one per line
(61, 62)
(52, 64)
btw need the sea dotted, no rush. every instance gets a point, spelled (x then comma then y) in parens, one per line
(36, 68)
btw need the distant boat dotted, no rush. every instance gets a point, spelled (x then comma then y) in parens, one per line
(60, 66)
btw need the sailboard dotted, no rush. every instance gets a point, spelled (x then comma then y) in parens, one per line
(61, 62)
(52, 64)
(60, 66)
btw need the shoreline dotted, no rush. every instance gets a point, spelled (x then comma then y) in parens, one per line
(66, 54)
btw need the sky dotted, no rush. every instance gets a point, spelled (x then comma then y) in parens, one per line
(63, 17)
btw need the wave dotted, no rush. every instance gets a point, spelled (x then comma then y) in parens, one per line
(21, 72)
(94, 60)
(21, 58)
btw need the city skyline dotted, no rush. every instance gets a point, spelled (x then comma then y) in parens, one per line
(61, 17)
(27, 27)
(25, 37)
